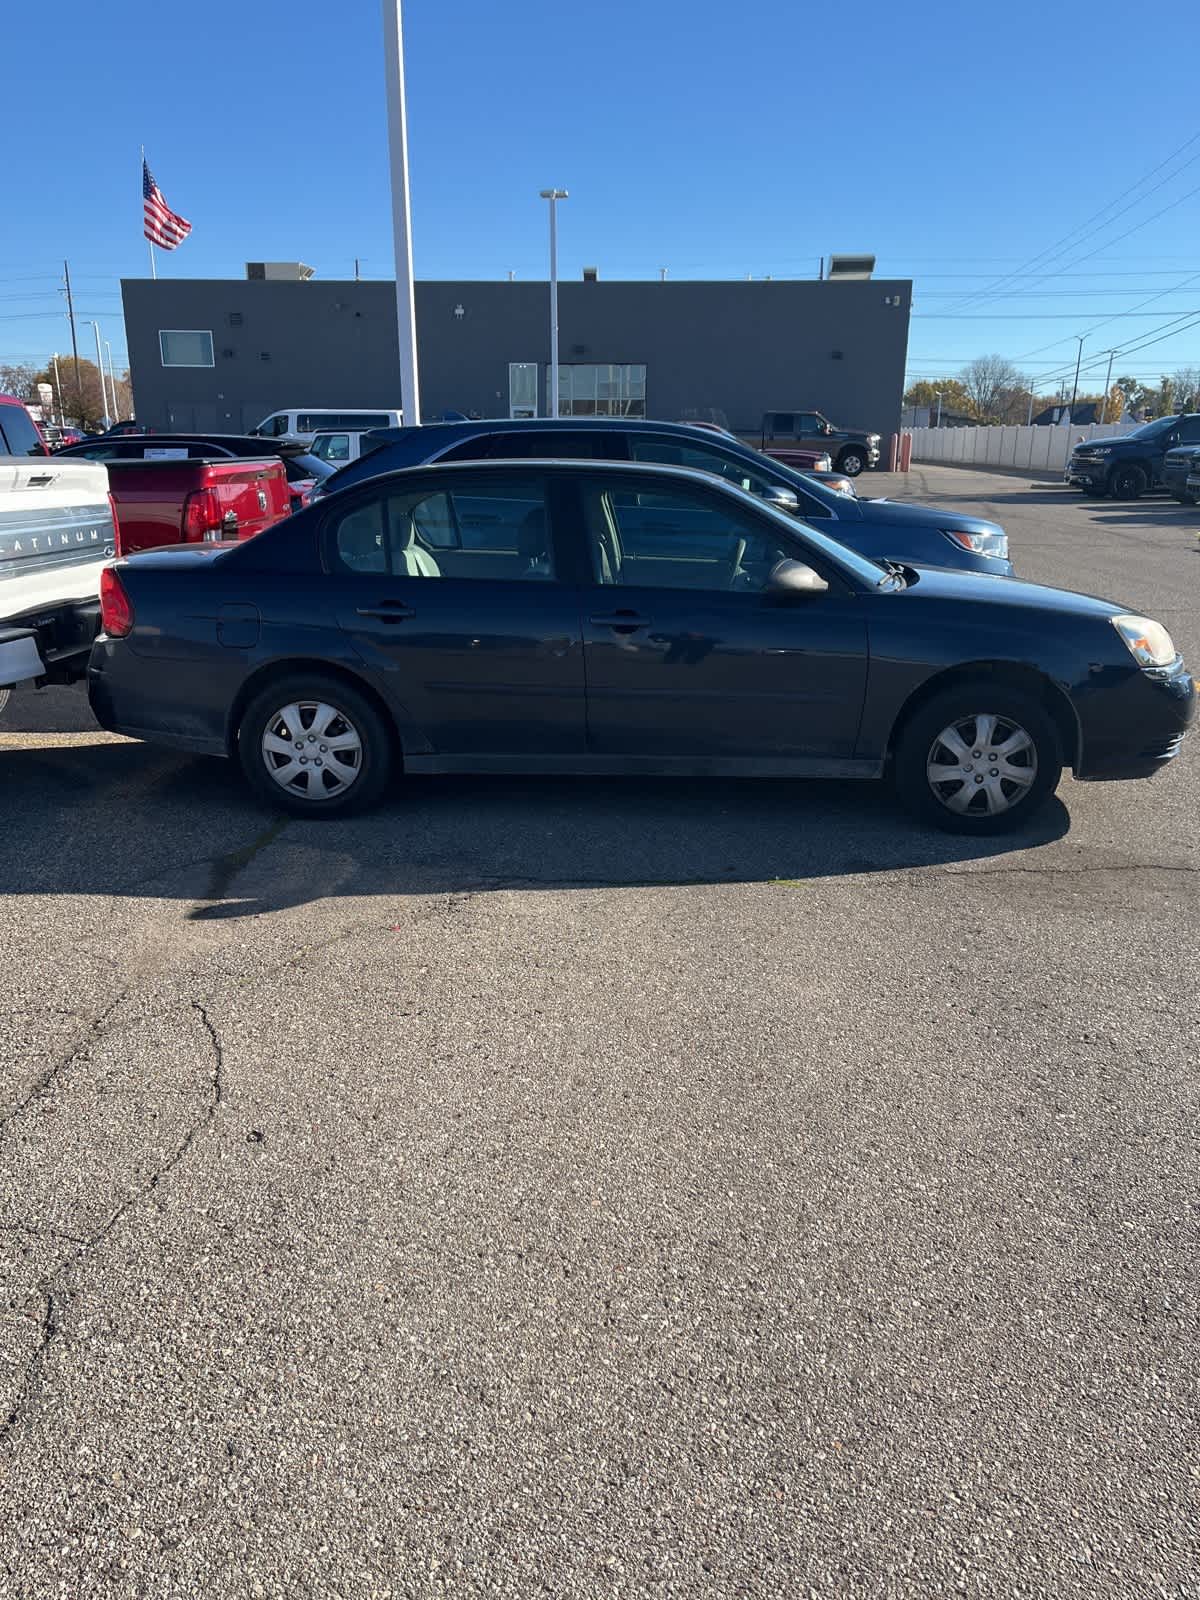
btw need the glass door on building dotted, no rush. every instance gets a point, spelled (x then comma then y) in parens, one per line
(522, 388)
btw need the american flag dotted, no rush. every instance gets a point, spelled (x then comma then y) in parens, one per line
(162, 226)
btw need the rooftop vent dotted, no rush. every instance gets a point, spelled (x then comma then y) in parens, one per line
(286, 271)
(845, 267)
(591, 274)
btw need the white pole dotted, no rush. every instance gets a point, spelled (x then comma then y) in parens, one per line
(406, 304)
(554, 196)
(112, 382)
(62, 415)
(103, 387)
(153, 268)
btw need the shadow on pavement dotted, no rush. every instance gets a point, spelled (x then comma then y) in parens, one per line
(120, 818)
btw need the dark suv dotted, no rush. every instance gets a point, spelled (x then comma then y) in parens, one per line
(1125, 467)
(882, 529)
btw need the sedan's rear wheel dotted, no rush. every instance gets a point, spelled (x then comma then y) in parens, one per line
(979, 758)
(314, 746)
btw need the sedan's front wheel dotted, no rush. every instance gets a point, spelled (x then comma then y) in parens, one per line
(979, 758)
(314, 746)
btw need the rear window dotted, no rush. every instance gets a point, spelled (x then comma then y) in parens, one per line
(20, 436)
(324, 421)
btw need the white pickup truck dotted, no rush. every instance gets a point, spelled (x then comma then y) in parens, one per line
(56, 532)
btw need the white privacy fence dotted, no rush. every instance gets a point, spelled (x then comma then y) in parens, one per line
(1038, 449)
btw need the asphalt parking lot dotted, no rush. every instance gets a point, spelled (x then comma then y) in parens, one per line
(591, 1189)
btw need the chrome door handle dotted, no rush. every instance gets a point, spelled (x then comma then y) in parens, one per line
(620, 621)
(387, 613)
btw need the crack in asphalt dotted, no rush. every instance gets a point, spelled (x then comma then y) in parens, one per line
(47, 1078)
(51, 1321)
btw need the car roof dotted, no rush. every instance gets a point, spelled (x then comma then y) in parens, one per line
(523, 424)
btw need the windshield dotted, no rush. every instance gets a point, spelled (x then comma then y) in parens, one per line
(302, 467)
(871, 574)
(1148, 430)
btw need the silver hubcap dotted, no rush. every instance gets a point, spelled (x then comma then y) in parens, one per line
(852, 465)
(312, 749)
(982, 765)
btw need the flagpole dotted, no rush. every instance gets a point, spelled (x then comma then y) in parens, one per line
(149, 241)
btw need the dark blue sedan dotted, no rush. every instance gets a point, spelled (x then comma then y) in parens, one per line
(599, 617)
(880, 528)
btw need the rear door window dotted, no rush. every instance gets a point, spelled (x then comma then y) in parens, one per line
(490, 527)
(20, 436)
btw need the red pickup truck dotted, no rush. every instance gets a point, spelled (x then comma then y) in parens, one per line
(189, 500)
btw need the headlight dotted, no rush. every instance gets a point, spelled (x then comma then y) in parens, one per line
(983, 544)
(1148, 642)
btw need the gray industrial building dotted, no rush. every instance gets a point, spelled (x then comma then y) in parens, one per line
(223, 353)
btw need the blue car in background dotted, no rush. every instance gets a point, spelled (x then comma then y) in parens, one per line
(886, 530)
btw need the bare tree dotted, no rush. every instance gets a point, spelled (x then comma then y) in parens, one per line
(1185, 389)
(991, 382)
(18, 378)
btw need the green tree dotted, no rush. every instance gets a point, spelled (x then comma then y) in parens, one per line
(925, 393)
(85, 404)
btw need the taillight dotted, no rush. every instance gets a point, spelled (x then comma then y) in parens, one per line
(201, 516)
(116, 612)
(116, 522)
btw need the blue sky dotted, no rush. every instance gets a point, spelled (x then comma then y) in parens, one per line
(957, 142)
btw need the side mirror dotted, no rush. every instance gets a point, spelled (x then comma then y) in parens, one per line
(827, 427)
(788, 578)
(781, 499)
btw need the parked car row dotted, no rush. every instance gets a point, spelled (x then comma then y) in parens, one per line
(634, 617)
(1163, 454)
(580, 596)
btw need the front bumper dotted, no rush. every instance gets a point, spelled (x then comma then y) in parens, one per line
(1138, 724)
(1091, 472)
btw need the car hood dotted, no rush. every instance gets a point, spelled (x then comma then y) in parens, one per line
(983, 589)
(900, 514)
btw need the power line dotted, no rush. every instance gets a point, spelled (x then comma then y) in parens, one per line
(1061, 246)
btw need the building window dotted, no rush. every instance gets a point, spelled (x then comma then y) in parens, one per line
(601, 391)
(185, 347)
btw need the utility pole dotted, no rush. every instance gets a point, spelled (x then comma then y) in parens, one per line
(1107, 383)
(74, 340)
(938, 423)
(1075, 385)
(356, 269)
(406, 302)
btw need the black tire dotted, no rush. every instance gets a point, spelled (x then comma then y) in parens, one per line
(4, 694)
(360, 773)
(918, 745)
(851, 461)
(1127, 482)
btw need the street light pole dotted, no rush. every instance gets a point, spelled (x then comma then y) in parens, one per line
(553, 196)
(406, 304)
(62, 415)
(1107, 383)
(938, 423)
(112, 382)
(100, 367)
